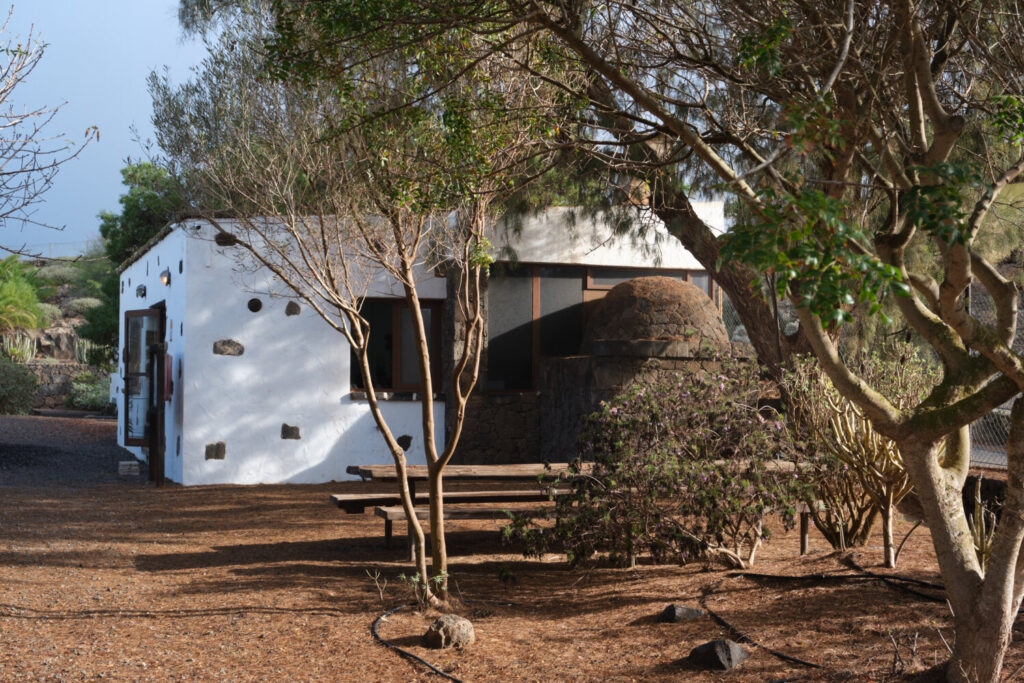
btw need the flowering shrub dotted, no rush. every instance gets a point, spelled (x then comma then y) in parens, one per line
(685, 468)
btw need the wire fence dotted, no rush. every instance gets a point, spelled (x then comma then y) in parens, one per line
(988, 439)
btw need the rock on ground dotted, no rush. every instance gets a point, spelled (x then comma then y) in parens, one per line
(449, 631)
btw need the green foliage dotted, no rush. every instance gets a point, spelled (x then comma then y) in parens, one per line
(50, 313)
(937, 206)
(101, 323)
(1008, 118)
(760, 51)
(19, 295)
(857, 473)
(89, 391)
(17, 388)
(803, 239)
(153, 200)
(58, 272)
(684, 469)
(83, 304)
(421, 589)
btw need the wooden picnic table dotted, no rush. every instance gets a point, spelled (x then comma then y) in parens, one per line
(519, 472)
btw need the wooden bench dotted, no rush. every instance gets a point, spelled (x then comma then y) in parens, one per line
(356, 503)
(391, 513)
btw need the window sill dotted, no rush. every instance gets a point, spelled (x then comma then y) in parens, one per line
(360, 396)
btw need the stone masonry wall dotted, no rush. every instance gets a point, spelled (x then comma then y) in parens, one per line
(500, 429)
(54, 381)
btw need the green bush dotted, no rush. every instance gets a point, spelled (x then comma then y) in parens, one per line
(685, 469)
(17, 388)
(89, 391)
(83, 304)
(49, 313)
(58, 272)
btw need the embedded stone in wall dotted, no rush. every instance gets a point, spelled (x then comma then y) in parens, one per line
(290, 432)
(225, 239)
(292, 308)
(404, 441)
(228, 347)
(216, 451)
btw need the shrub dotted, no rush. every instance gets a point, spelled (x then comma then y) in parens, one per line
(854, 468)
(83, 304)
(58, 272)
(17, 388)
(685, 468)
(49, 313)
(89, 391)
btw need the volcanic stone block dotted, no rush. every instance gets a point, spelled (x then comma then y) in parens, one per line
(228, 347)
(292, 308)
(216, 451)
(290, 432)
(718, 654)
(676, 613)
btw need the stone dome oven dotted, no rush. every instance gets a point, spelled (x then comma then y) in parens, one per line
(655, 317)
(643, 329)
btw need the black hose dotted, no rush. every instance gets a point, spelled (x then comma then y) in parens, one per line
(744, 638)
(894, 581)
(406, 653)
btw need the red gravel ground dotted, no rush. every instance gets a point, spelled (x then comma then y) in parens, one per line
(107, 578)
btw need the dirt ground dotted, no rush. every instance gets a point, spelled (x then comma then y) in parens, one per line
(109, 578)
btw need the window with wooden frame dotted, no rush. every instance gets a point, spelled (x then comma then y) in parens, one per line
(538, 311)
(392, 352)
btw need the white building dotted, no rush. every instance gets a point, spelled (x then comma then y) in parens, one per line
(225, 379)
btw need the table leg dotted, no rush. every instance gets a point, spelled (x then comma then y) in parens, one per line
(804, 530)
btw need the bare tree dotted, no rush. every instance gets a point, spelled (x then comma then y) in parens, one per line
(339, 196)
(30, 155)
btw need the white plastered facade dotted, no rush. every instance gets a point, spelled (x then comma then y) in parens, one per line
(294, 371)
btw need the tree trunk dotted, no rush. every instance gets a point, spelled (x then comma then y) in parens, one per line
(981, 643)
(439, 551)
(887, 543)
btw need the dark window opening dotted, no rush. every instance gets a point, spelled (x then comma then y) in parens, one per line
(393, 358)
(510, 330)
(561, 311)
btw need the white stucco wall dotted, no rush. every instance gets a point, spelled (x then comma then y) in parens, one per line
(571, 235)
(169, 253)
(294, 370)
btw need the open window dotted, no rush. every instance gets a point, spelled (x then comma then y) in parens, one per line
(391, 351)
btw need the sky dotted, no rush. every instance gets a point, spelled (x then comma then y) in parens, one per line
(98, 55)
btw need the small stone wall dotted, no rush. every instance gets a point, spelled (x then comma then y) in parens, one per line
(54, 381)
(500, 429)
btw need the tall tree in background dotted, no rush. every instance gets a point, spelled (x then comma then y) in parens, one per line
(30, 154)
(154, 198)
(870, 142)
